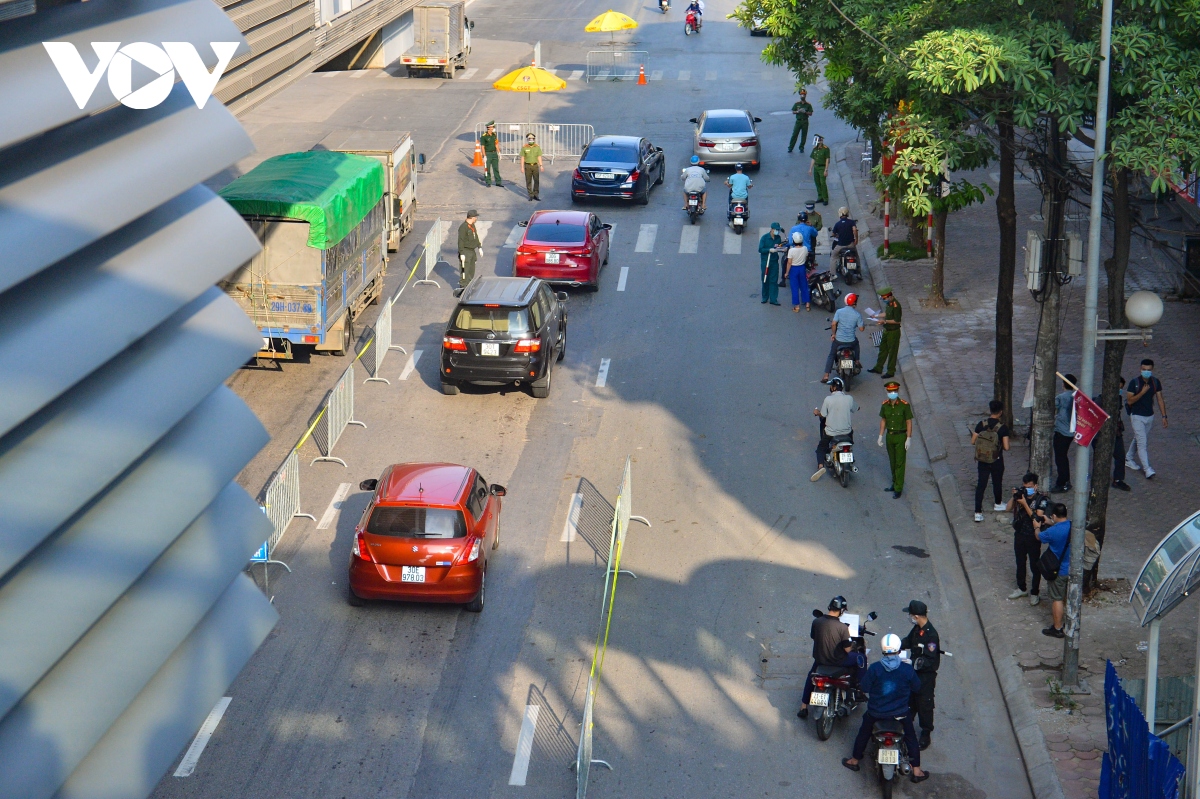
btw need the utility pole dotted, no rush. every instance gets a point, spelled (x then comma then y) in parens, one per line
(1087, 367)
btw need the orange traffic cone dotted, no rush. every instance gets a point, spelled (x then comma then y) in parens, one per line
(478, 159)
(641, 75)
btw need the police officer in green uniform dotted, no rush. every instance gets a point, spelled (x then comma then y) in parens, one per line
(491, 156)
(814, 216)
(925, 649)
(802, 110)
(895, 430)
(889, 344)
(818, 167)
(531, 157)
(469, 246)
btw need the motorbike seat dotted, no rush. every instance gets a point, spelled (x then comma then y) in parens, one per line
(832, 671)
(836, 440)
(889, 725)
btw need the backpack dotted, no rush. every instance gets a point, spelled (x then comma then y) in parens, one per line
(987, 444)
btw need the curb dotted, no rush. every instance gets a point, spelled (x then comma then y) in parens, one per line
(1039, 766)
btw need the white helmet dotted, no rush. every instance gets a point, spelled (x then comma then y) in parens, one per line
(796, 237)
(890, 644)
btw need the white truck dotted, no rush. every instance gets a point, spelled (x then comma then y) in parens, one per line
(395, 150)
(441, 38)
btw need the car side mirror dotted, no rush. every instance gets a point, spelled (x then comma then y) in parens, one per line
(498, 491)
(421, 160)
(368, 485)
(694, 121)
(523, 223)
(606, 226)
(817, 614)
(563, 296)
(758, 119)
(471, 25)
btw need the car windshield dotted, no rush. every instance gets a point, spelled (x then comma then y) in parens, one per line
(611, 154)
(554, 233)
(738, 124)
(417, 523)
(497, 320)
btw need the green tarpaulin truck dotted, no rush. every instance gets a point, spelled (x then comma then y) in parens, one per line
(321, 219)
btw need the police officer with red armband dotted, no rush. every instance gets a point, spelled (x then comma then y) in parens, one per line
(925, 650)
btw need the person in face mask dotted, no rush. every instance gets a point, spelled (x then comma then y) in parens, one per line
(895, 430)
(1026, 504)
(925, 651)
(890, 684)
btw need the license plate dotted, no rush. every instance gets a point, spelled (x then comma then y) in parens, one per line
(889, 757)
(827, 286)
(727, 147)
(693, 202)
(847, 364)
(604, 175)
(422, 60)
(737, 220)
(412, 574)
(551, 257)
(487, 349)
(846, 457)
(819, 700)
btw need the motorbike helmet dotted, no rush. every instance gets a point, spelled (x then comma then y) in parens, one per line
(838, 603)
(738, 167)
(797, 238)
(836, 384)
(890, 644)
(851, 298)
(695, 160)
(802, 217)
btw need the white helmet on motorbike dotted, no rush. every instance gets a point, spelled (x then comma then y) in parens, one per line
(797, 238)
(890, 644)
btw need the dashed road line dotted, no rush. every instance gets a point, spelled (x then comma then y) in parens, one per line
(576, 74)
(335, 505)
(733, 243)
(645, 241)
(602, 375)
(514, 237)
(571, 526)
(411, 366)
(482, 229)
(689, 239)
(656, 74)
(520, 769)
(192, 756)
(685, 74)
(470, 73)
(495, 73)
(621, 280)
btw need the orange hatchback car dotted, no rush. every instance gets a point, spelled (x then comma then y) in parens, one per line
(425, 535)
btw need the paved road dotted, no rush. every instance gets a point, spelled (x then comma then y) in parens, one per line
(710, 394)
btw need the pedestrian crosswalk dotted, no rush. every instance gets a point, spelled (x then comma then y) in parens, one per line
(475, 74)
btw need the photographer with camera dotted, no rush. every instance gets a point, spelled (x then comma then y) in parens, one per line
(1027, 505)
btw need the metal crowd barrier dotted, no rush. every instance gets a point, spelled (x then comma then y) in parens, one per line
(625, 65)
(383, 341)
(339, 412)
(282, 504)
(433, 250)
(620, 528)
(557, 140)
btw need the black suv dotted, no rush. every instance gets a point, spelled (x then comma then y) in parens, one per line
(505, 330)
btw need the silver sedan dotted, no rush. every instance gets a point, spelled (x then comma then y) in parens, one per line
(727, 136)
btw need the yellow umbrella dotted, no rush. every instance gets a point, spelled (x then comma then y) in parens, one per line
(611, 21)
(530, 79)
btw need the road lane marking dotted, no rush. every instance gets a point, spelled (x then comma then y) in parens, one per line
(646, 235)
(656, 74)
(621, 280)
(602, 375)
(520, 769)
(689, 239)
(335, 505)
(495, 73)
(576, 74)
(192, 756)
(411, 366)
(685, 74)
(482, 228)
(514, 237)
(470, 73)
(710, 75)
(571, 527)
(359, 73)
(733, 243)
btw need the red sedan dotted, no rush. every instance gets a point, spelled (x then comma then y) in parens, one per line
(425, 535)
(563, 247)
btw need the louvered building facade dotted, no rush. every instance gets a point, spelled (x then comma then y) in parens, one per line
(124, 609)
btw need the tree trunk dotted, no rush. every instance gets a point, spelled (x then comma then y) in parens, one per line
(917, 228)
(937, 286)
(1006, 216)
(1114, 355)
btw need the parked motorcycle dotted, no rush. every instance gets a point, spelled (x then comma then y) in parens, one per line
(664, 5)
(890, 753)
(739, 213)
(824, 295)
(694, 206)
(691, 23)
(835, 693)
(848, 267)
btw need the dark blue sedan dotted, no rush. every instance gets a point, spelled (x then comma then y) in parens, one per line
(624, 167)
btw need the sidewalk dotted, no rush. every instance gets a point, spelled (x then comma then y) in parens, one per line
(947, 365)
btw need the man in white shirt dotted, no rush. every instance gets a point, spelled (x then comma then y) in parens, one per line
(694, 179)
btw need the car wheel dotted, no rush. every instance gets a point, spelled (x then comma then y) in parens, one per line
(575, 199)
(347, 337)
(662, 173)
(476, 604)
(562, 349)
(353, 599)
(449, 389)
(645, 198)
(496, 539)
(541, 388)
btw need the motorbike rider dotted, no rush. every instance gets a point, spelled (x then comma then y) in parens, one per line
(845, 236)
(694, 178)
(696, 6)
(807, 231)
(835, 413)
(739, 185)
(845, 321)
(889, 685)
(831, 647)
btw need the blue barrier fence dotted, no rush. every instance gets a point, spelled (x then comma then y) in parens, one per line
(1137, 765)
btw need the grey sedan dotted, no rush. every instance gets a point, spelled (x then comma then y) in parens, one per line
(727, 136)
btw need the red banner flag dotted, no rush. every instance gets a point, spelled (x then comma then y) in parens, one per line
(1089, 418)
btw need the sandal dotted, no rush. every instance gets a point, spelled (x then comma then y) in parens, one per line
(914, 777)
(795, 309)
(852, 766)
